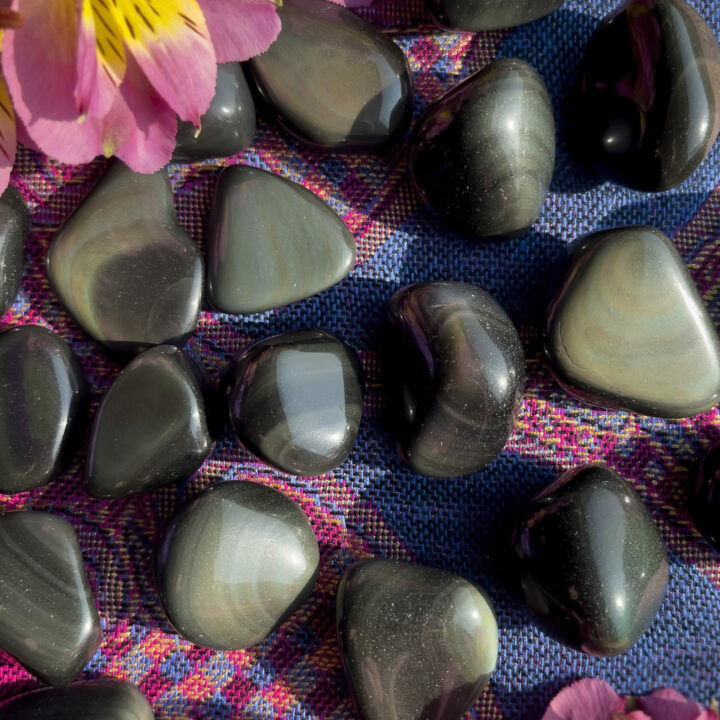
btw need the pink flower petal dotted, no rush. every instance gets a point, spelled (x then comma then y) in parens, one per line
(39, 63)
(241, 29)
(668, 704)
(174, 50)
(586, 699)
(8, 137)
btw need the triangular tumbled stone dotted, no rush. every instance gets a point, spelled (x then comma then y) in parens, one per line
(272, 242)
(417, 643)
(48, 621)
(151, 428)
(124, 267)
(628, 329)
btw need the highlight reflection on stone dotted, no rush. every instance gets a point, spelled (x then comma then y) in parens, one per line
(43, 398)
(234, 564)
(48, 622)
(476, 15)
(96, 700)
(14, 229)
(333, 79)
(227, 127)
(591, 561)
(705, 497)
(151, 428)
(124, 267)
(454, 377)
(417, 643)
(628, 329)
(271, 242)
(482, 156)
(296, 400)
(648, 106)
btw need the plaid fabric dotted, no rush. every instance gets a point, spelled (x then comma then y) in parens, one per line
(373, 505)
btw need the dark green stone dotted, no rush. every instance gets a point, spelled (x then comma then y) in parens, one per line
(48, 622)
(296, 400)
(591, 561)
(14, 229)
(151, 428)
(234, 564)
(475, 15)
(333, 79)
(417, 643)
(124, 267)
(43, 398)
(97, 700)
(271, 242)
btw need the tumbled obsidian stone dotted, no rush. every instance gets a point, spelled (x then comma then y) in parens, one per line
(296, 400)
(475, 15)
(43, 398)
(14, 228)
(704, 502)
(482, 155)
(417, 643)
(234, 564)
(333, 79)
(271, 242)
(96, 700)
(48, 622)
(227, 127)
(124, 267)
(454, 376)
(591, 561)
(648, 106)
(151, 428)
(628, 329)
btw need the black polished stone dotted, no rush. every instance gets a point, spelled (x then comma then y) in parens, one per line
(96, 700)
(296, 400)
(151, 428)
(417, 643)
(628, 329)
(648, 106)
(333, 79)
(476, 15)
(234, 564)
(704, 502)
(43, 398)
(48, 622)
(591, 561)
(454, 376)
(14, 229)
(124, 267)
(227, 127)
(482, 155)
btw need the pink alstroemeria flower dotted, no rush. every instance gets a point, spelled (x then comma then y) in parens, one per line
(593, 699)
(110, 77)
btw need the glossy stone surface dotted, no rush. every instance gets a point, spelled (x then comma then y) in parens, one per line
(14, 229)
(296, 400)
(227, 127)
(151, 428)
(475, 15)
(43, 398)
(124, 267)
(628, 329)
(235, 564)
(96, 700)
(591, 561)
(417, 643)
(455, 371)
(271, 242)
(482, 155)
(333, 79)
(648, 106)
(48, 622)
(704, 504)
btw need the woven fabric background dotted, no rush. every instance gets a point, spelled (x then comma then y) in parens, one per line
(373, 505)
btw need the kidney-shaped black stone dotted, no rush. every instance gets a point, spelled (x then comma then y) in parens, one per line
(454, 376)
(591, 561)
